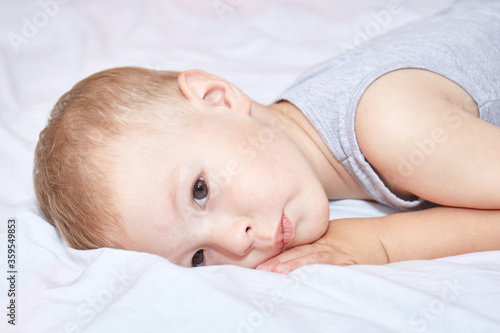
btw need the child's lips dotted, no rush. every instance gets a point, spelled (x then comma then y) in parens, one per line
(284, 234)
(288, 230)
(278, 238)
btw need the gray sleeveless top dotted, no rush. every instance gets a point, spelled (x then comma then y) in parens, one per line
(461, 43)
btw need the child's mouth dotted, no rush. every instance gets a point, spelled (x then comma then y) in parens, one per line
(287, 230)
(284, 234)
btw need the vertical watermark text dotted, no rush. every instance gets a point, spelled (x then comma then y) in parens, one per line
(11, 272)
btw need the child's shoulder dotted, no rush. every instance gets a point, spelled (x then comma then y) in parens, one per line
(406, 112)
(411, 92)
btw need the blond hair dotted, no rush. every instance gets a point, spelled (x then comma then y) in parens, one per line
(72, 158)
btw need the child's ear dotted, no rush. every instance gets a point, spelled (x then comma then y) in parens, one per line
(202, 88)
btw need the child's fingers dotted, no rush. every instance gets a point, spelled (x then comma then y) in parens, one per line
(297, 257)
(323, 257)
(295, 252)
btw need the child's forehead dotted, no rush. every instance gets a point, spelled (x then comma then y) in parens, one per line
(176, 142)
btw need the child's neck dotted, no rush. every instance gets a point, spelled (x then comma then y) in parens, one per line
(337, 181)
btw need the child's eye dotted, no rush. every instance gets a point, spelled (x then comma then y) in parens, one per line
(198, 259)
(200, 192)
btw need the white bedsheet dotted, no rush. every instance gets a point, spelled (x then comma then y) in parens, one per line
(48, 45)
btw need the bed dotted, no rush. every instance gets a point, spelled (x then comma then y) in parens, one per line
(261, 46)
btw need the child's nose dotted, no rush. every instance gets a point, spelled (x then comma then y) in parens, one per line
(236, 235)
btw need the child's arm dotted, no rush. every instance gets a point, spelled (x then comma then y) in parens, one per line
(428, 234)
(422, 135)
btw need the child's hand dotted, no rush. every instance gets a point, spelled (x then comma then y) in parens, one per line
(347, 242)
(427, 234)
(296, 257)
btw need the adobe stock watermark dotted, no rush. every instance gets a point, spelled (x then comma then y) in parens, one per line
(264, 309)
(30, 26)
(381, 19)
(222, 7)
(248, 151)
(451, 120)
(429, 313)
(99, 299)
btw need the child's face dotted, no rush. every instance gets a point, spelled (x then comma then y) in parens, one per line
(229, 191)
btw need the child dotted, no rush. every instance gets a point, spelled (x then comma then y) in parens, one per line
(186, 166)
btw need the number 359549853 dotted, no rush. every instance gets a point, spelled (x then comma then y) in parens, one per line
(11, 243)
